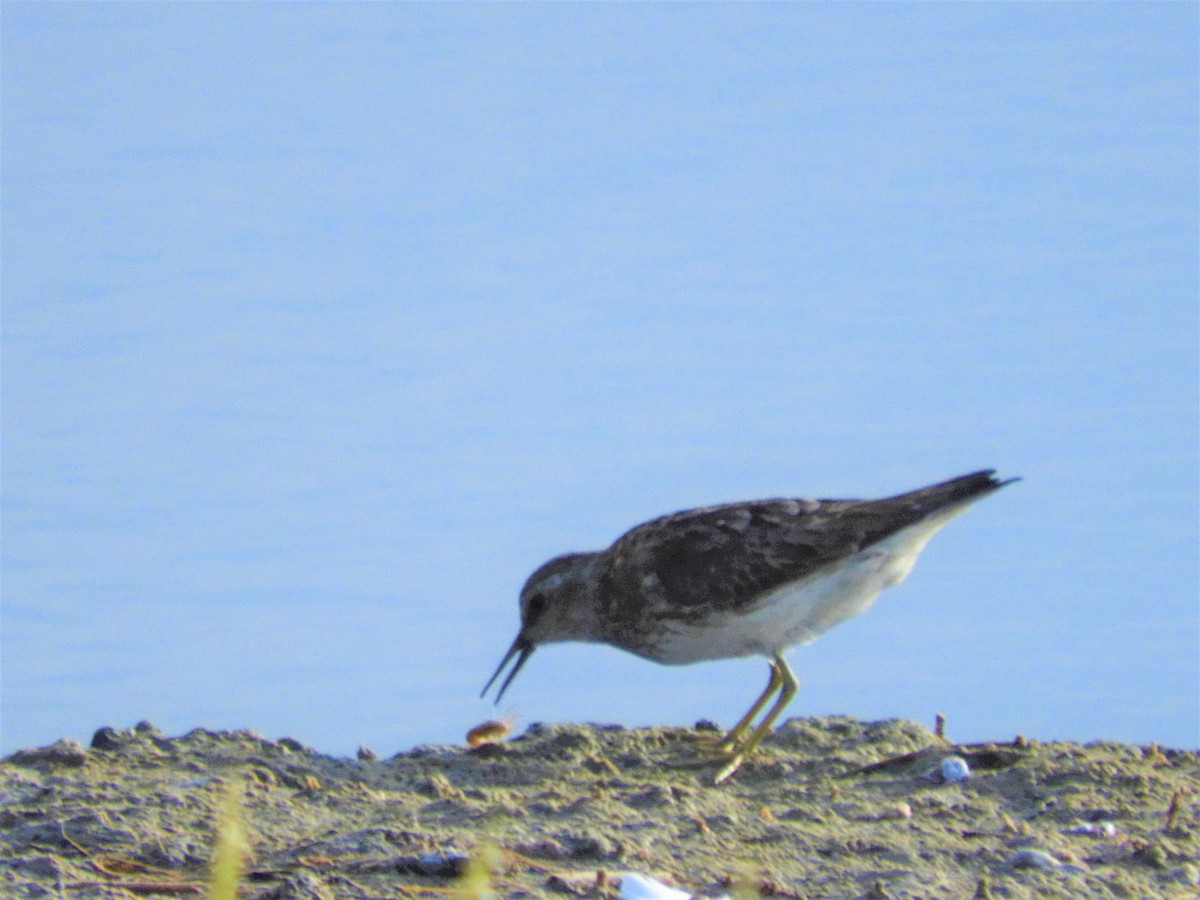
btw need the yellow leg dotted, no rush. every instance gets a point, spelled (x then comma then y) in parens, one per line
(788, 686)
(730, 742)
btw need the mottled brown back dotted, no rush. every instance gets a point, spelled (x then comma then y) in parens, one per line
(688, 563)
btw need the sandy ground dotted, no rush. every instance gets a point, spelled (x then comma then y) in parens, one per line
(831, 807)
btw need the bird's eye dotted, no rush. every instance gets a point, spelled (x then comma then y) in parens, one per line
(537, 606)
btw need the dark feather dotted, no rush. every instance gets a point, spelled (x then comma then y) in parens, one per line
(724, 557)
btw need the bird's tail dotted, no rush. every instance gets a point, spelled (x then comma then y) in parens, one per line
(956, 492)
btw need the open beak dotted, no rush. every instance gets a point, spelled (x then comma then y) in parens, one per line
(520, 646)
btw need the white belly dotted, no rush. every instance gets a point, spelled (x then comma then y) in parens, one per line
(800, 611)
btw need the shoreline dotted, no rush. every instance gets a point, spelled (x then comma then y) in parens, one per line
(829, 807)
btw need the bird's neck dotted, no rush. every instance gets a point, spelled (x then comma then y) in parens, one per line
(580, 618)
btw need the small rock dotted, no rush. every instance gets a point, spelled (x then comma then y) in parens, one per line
(108, 738)
(366, 754)
(490, 750)
(1039, 859)
(428, 751)
(1097, 829)
(543, 849)
(441, 864)
(568, 740)
(439, 787)
(586, 846)
(199, 734)
(262, 774)
(1033, 859)
(653, 797)
(67, 752)
(577, 884)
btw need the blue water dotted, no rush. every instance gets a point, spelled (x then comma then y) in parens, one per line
(324, 326)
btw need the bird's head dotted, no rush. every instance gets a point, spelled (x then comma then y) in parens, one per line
(555, 606)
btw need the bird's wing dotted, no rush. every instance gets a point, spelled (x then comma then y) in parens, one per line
(730, 554)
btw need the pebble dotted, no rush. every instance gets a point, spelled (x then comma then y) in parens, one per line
(67, 752)
(489, 732)
(440, 864)
(1033, 859)
(897, 811)
(1040, 859)
(295, 746)
(108, 738)
(545, 848)
(1098, 829)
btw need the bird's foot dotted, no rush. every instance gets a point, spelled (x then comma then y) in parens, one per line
(727, 770)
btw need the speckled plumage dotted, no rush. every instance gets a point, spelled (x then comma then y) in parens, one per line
(738, 579)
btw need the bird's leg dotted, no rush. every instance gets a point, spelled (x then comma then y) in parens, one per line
(733, 739)
(782, 672)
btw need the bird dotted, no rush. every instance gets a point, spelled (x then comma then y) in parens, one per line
(751, 578)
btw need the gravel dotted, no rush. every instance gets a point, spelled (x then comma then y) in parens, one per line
(830, 807)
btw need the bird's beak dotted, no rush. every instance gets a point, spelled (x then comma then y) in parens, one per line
(522, 646)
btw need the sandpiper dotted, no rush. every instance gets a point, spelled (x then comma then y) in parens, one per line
(739, 579)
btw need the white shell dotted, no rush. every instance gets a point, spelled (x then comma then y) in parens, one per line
(642, 887)
(954, 768)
